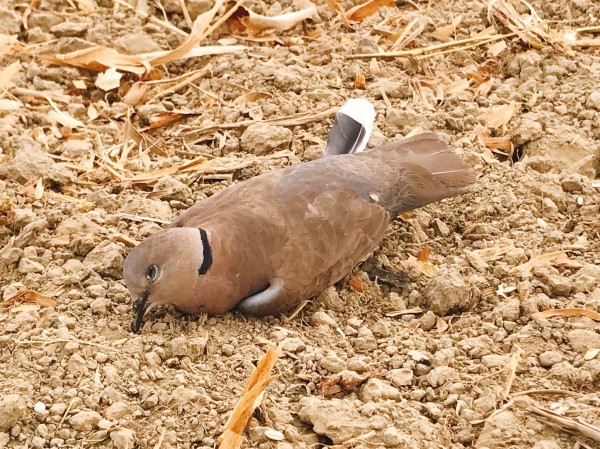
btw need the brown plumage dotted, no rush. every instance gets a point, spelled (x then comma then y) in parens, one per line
(284, 236)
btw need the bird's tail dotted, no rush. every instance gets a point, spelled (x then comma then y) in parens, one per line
(428, 171)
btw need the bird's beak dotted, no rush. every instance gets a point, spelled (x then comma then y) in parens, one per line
(139, 309)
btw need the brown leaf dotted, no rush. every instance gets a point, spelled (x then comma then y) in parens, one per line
(423, 254)
(444, 32)
(569, 312)
(425, 267)
(359, 13)
(99, 59)
(337, 8)
(135, 94)
(344, 381)
(250, 97)
(32, 297)
(500, 116)
(360, 82)
(556, 259)
(357, 285)
(167, 118)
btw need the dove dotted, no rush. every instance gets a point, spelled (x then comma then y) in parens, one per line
(263, 245)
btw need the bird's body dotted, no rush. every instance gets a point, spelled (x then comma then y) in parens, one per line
(281, 237)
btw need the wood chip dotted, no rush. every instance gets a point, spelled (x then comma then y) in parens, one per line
(252, 396)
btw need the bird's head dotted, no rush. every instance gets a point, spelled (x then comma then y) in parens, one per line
(166, 268)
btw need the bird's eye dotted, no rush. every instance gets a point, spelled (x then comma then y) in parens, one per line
(152, 273)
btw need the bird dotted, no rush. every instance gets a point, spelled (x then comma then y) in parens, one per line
(265, 244)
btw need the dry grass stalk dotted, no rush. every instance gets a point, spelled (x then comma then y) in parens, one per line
(251, 398)
(529, 27)
(336, 7)
(152, 19)
(571, 425)
(568, 312)
(437, 49)
(290, 120)
(188, 79)
(409, 33)
(512, 370)
(57, 97)
(493, 253)
(133, 217)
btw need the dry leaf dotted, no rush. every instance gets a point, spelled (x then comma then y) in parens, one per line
(79, 86)
(359, 13)
(7, 75)
(497, 143)
(31, 296)
(360, 82)
(500, 116)
(101, 58)
(167, 118)
(250, 97)
(357, 285)
(200, 26)
(413, 311)
(570, 312)
(423, 254)
(477, 77)
(135, 93)
(336, 7)
(591, 354)
(62, 117)
(8, 44)
(444, 32)
(87, 5)
(426, 268)
(258, 23)
(10, 105)
(274, 435)
(108, 80)
(457, 87)
(92, 112)
(39, 189)
(344, 381)
(556, 259)
(496, 48)
(374, 67)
